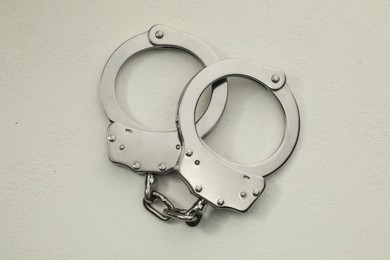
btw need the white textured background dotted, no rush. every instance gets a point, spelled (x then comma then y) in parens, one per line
(61, 198)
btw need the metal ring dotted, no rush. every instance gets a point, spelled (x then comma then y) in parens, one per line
(181, 215)
(150, 186)
(232, 185)
(154, 211)
(152, 40)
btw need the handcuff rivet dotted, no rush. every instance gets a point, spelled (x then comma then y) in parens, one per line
(220, 202)
(243, 194)
(198, 188)
(122, 147)
(178, 147)
(136, 165)
(111, 138)
(256, 193)
(162, 167)
(275, 78)
(189, 153)
(159, 34)
(197, 162)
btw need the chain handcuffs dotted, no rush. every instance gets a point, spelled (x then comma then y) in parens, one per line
(209, 177)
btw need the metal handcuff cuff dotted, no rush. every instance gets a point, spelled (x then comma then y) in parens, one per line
(144, 149)
(222, 183)
(211, 178)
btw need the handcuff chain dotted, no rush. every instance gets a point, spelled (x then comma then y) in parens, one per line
(191, 217)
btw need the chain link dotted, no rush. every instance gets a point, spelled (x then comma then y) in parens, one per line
(191, 217)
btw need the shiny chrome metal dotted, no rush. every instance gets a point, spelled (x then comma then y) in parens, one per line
(145, 148)
(180, 214)
(256, 193)
(145, 145)
(198, 188)
(223, 181)
(111, 138)
(150, 186)
(220, 202)
(275, 78)
(162, 167)
(159, 34)
(136, 166)
(192, 216)
(150, 206)
(197, 209)
(199, 206)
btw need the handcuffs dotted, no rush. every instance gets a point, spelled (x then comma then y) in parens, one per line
(213, 180)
